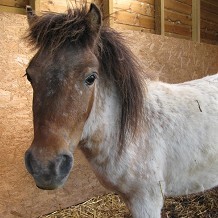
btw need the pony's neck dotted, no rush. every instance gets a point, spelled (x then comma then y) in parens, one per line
(101, 132)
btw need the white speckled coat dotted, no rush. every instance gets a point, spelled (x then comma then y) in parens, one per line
(176, 154)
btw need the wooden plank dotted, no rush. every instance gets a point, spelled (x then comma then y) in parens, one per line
(142, 8)
(188, 2)
(196, 20)
(208, 25)
(14, 3)
(53, 5)
(159, 17)
(209, 36)
(209, 41)
(178, 6)
(176, 17)
(212, 2)
(146, 22)
(107, 8)
(151, 2)
(176, 35)
(124, 17)
(208, 7)
(183, 30)
(121, 27)
(12, 9)
(209, 16)
(121, 5)
(209, 22)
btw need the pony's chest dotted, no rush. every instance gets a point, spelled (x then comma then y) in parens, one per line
(111, 180)
(106, 182)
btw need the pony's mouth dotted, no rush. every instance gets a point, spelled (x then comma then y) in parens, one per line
(53, 183)
(51, 187)
(47, 188)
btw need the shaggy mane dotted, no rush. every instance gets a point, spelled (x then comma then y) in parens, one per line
(121, 65)
(117, 61)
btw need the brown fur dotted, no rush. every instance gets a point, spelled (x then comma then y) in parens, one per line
(52, 31)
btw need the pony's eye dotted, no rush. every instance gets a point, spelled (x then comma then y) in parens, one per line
(90, 79)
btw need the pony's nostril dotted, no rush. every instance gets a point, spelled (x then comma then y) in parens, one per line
(65, 164)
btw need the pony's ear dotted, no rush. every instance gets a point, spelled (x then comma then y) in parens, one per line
(30, 14)
(94, 17)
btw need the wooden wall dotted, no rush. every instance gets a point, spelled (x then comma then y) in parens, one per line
(140, 15)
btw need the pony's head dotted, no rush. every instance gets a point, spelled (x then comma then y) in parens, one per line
(63, 74)
(75, 53)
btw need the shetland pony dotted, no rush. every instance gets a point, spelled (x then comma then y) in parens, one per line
(144, 139)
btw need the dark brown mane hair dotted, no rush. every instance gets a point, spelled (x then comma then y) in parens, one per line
(116, 59)
(121, 65)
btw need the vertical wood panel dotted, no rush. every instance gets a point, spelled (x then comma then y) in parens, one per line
(196, 20)
(159, 17)
(35, 4)
(107, 10)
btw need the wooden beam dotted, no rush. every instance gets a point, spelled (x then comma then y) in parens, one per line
(159, 17)
(196, 21)
(35, 4)
(12, 10)
(107, 8)
(14, 3)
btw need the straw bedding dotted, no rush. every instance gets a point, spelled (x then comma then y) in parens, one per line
(203, 205)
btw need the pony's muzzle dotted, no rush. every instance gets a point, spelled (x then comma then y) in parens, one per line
(51, 175)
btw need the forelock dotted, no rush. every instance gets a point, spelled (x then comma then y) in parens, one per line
(53, 30)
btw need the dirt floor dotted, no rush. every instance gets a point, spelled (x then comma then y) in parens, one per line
(204, 205)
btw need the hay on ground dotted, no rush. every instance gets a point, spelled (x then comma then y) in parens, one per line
(204, 205)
